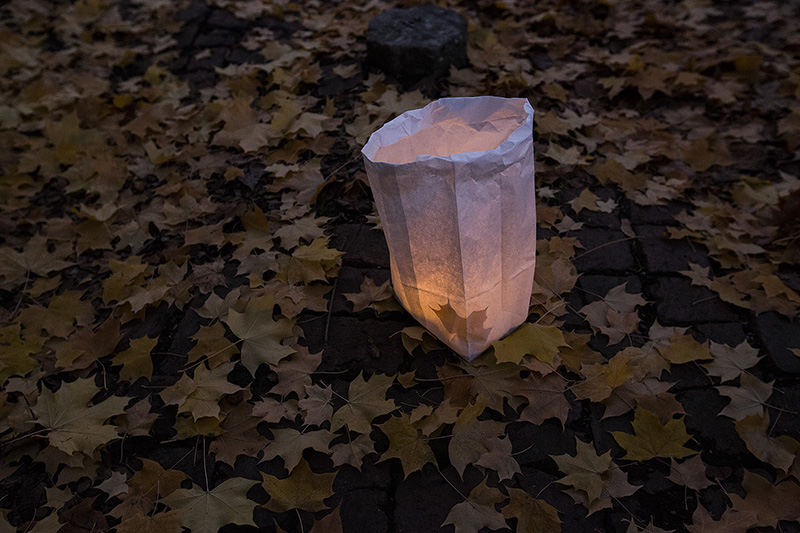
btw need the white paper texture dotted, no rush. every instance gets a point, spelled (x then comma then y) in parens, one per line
(454, 186)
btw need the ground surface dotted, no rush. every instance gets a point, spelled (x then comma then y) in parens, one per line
(197, 330)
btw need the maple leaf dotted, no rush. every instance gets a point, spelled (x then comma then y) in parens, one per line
(780, 452)
(470, 328)
(746, 399)
(262, 337)
(316, 404)
(365, 401)
(586, 470)
(471, 438)
(200, 395)
(73, 425)
(289, 444)
(306, 228)
(477, 511)
(546, 399)
(729, 362)
(406, 444)
(602, 379)
(164, 522)
(303, 489)
(379, 297)
(35, 258)
(497, 456)
(311, 262)
(765, 503)
(272, 410)
(238, 435)
(540, 341)
(690, 473)
(533, 515)
(206, 511)
(612, 315)
(212, 344)
(353, 451)
(17, 351)
(683, 349)
(136, 360)
(145, 486)
(294, 373)
(585, 200)
(652, 439)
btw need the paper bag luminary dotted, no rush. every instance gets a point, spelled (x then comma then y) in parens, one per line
(454, 186)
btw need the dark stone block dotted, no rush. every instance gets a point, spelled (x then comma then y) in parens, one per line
(424, 498)
(196, 11)
(216, 38)
(599, 255)
(418, 42)
(371, 476)
(715, 433)
(353, 343)
(788, 421)
(363, 245)
(680, 303)
(779, 335)
(662, 254)
(655, 214)
(732, 333)
(548, 438)
(220, 18)
(363, 510)
(594, 287)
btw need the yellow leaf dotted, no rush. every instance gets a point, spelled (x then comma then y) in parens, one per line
(540, 341)
(652, 439)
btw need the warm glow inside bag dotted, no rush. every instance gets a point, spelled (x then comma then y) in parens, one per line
(454, 186)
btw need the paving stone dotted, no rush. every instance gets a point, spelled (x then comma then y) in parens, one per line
(356, 343)
(680, 303)
(221, 18)
(216, 38)
(423, 499)
(611, 257)
(779, 334)
(655, 214)
(596, 286)
(790, 275)
(349, 280)
(713, 431)
(363, 510)
(786, 423)
(418, 42)
(363, 245)
(547, 438)
(662, 254)
(731, 333)
(371, 476)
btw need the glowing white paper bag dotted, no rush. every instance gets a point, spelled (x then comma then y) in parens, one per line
(454, 187)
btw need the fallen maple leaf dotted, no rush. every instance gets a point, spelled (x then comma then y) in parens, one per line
(73, 425)
(540, 341)
(652, 439)
(406, 444)
(303, 489)
(261, 336)
(365, 401)
(206, 511)
(533, 514)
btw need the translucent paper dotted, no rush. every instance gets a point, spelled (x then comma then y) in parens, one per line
(454, 187)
